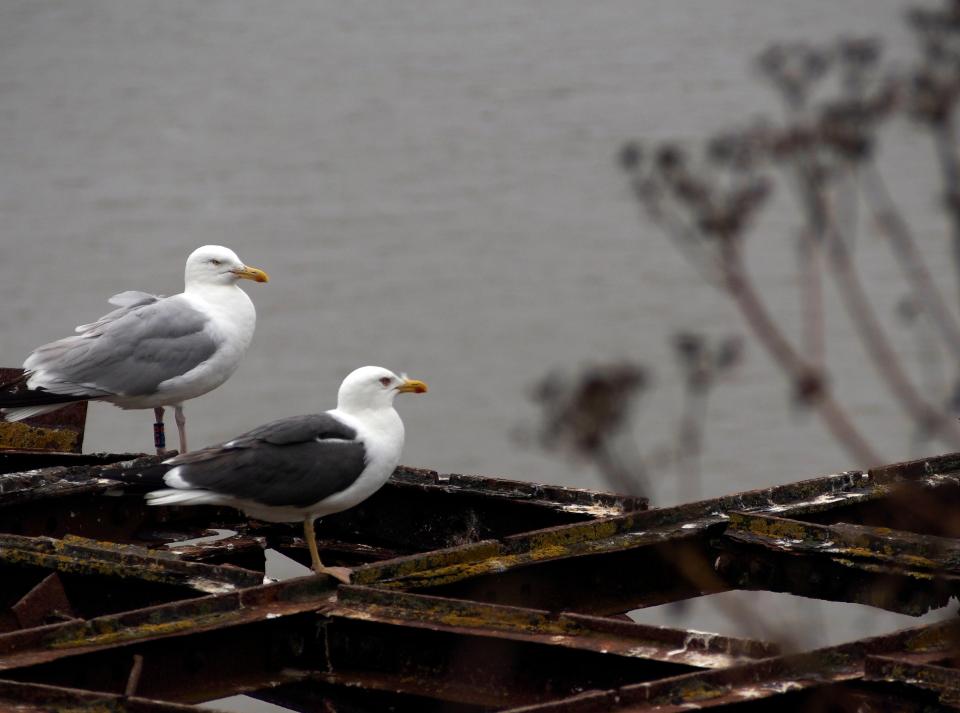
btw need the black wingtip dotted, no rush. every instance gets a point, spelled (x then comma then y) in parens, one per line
(35, 397)
(142, 475)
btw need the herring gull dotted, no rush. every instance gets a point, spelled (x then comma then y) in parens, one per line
(152, 351)
(302, 467)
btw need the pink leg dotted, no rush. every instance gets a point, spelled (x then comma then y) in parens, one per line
(159, 437)
(181, 427)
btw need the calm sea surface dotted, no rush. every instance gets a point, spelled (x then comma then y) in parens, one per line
(431, 187)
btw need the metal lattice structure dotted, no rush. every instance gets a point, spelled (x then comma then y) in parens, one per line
(469, 594)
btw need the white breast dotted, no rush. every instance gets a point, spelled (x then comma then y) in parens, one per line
(382, 435)
(233, 319)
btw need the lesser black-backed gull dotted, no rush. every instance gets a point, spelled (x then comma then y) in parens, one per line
(303, 467)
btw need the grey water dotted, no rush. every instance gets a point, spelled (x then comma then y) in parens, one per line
(431, 186)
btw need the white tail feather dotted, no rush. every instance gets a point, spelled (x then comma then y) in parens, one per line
(22, 412)
(169, 496)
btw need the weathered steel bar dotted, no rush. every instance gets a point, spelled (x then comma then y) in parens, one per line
(50, 483)
(178, 618)
(893, 570)
(327, 692)
(39, 698)
(831, 675)
(81, 556)
(613, 534)
(604, 635)
(916, 469)
(60, 431)
(47, 600)
(904, 550)
(573, 500)
(386, 641)
(106, 503)
(475, 594)
(237, 550)
(941, 679)
(680, 550)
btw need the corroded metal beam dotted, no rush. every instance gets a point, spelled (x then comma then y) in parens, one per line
(406, 644)
(487, 601)
(39, 698)
(106, 502)
(943, 680)
(907, 551)
(612, 534)
(676, 549)
(609, 636)
(59, 431)
(47, 600)
(830, 677)
(81, 556)
(889, 569)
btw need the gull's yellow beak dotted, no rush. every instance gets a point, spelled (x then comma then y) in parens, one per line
(251, 273)
(412, 386)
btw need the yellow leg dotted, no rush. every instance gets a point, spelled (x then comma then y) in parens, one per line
(315, 562)
(340, 573)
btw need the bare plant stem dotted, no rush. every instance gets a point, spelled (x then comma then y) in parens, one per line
(741, 289)
(705, 263)
(889, 220)
(736, 281)
(626, 479)
(690, 440)
(928, 418)
(943, 136)
(811, 293)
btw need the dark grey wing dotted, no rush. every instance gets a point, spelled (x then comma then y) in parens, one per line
(300, 428)
(128, 352)
(294, 461)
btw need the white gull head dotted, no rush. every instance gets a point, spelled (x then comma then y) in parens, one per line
(217, 265)
(372, 388)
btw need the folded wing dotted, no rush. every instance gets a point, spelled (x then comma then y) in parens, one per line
(127, 352)
(294, 461)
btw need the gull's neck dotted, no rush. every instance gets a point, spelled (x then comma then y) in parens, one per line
(384, 421)
(361, 410)
(226, 294)
(232, 305)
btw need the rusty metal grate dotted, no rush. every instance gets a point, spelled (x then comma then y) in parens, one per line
(469, 594)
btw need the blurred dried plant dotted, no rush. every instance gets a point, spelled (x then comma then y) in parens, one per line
(837, 98)
(702, 364)
(589, 416)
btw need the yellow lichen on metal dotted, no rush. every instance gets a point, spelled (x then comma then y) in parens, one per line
(448, 574)
(14, 434)
(117, 634)
(769, 528)
(503, 619)
(452, 566)
(931, 639)
(585, 532)
(885, 569)
(700, 691)
(63, 561)
(461, 557)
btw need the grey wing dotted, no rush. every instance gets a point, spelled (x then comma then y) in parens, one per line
(128, 352)
(294, 461)
(125, 301)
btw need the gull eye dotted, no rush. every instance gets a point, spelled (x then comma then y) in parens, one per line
(215, 262)
(386, 380)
